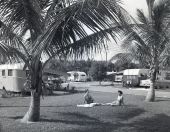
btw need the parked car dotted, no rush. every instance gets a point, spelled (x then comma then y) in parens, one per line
(145, 83)
(68, 86)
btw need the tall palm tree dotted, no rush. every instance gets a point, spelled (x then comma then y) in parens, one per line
(32, 29)
(148, 41)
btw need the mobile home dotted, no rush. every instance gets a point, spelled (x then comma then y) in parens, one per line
(162, 80)
(77, 76)
(12, 77)
(119, 76)
(132, 77)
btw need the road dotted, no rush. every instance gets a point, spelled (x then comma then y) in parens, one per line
(106, 87)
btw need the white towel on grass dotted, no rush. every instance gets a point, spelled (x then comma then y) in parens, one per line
(88, 105)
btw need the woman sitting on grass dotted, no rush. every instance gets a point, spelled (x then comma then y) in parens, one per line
(88, 98)
(119, 101)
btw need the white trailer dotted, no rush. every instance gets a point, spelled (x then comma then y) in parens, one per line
(132, 77)
(12, 77)
(162, 80)
(77, 76)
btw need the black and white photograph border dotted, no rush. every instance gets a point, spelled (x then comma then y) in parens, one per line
(84, 65)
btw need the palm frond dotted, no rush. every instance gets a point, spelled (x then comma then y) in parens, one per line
(122, 58)
(21, 16)
(12, 39)
(141, 17)
(78, 18)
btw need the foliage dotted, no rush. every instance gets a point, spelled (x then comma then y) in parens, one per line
(127, 65)
(147, 41)
(98, 71)
(65, 66)
(80, 65)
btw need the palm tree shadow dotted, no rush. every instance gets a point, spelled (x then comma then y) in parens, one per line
(162, 100)
(157, 123)
(92, 124)
(63, 92)
(132, 112)
(16, 117)
(72, 118)
(58, 106)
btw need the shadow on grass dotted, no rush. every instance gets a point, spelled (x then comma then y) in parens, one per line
(72, 118)
(4, 106)
(57, 106)
(16, 117)
(12, 117)
(130, 112)
(157, 123)
(91, 124)
(161, 99)
(62, 92)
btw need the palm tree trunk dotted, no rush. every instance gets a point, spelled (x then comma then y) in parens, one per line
(151, 92)
(33, 114)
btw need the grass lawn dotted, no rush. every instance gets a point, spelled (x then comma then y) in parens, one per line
(60, 114)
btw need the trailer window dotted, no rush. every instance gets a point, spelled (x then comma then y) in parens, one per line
(69, 74)
(10, 72)
(83, 75)
(167, 76)
(3, 72)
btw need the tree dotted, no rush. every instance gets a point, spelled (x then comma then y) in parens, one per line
(65, 66)
(110, 66)
(57, 65)
(32, 29)
(148, 40)
(98, 71)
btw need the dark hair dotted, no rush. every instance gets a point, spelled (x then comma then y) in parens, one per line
(119, 91)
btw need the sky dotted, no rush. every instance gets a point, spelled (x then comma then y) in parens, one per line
(113, 48)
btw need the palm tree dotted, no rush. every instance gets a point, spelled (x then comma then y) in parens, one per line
(147, 41)
(32, 29)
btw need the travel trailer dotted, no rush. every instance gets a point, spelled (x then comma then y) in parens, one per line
(140, 77)
(12, 77)
(115, 76)
(77, 76)
(119, 76)
(162, 80)
(132, 77)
